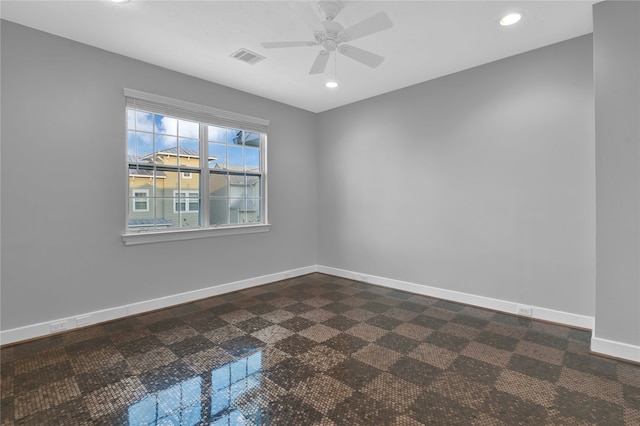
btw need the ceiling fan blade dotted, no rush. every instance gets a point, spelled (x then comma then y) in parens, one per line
(374, 24)
(320, 63)
(278, 44)
(363, 56)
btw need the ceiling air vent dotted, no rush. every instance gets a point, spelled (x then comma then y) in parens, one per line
(247, 56)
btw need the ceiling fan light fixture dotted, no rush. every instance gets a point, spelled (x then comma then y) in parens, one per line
(331, 84)
(510, 19)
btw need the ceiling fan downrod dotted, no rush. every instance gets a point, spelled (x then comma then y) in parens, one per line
(330, 9)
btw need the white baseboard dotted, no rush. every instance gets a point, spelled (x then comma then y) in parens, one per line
(44, 328)
(598, 345)
(615, 349)
(573, 320)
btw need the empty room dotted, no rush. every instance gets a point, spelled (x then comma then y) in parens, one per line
(320, 212)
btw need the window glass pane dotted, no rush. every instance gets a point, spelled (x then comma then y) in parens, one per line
(165, 215)
(166, 143)
(217, 134)
(166, 149)
(252, 139)
(217, 156)
(237, 185)
(189, 152)
(139, 147)
(158, 181)
(218, 185)
(190, 184)
(234, 136)
(188, 129)
(219, 211)
(236, 210)
(166, 183)
(234, 161)
(253, 210)
(144, 122)
(130, 119)
(252, 159)
(145, 147)
(253, 186)
(132, 147)
(165, 125)
(186, 202)
(140, 220)
(140, 178)
(166, 186)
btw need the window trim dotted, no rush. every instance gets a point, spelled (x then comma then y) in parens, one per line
(192, 233)
(205, 115)
(196, 112)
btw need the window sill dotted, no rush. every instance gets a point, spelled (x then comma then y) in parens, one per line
(191, 234)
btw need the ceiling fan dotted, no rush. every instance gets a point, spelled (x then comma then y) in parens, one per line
(333, 37)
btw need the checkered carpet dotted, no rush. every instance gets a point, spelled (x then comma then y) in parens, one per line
(318, 350)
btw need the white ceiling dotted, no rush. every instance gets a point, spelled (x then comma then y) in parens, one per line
(429, 39)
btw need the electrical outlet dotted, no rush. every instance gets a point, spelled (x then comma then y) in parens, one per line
(58, 326)
(525, 311)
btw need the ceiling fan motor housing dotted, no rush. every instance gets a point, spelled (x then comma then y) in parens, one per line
(331, 37)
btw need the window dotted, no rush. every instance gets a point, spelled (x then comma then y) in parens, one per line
(192, 167)
(140, 200)
(186, 201)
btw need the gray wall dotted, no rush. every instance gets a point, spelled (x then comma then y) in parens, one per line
(617, 101)
(480, 182)
(64, 185)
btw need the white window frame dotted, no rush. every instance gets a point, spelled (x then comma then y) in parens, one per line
(135, 199)
(205, 115)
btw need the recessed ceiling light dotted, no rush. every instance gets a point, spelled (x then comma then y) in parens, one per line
(331, 84)
(510, 19)
(120, 1)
